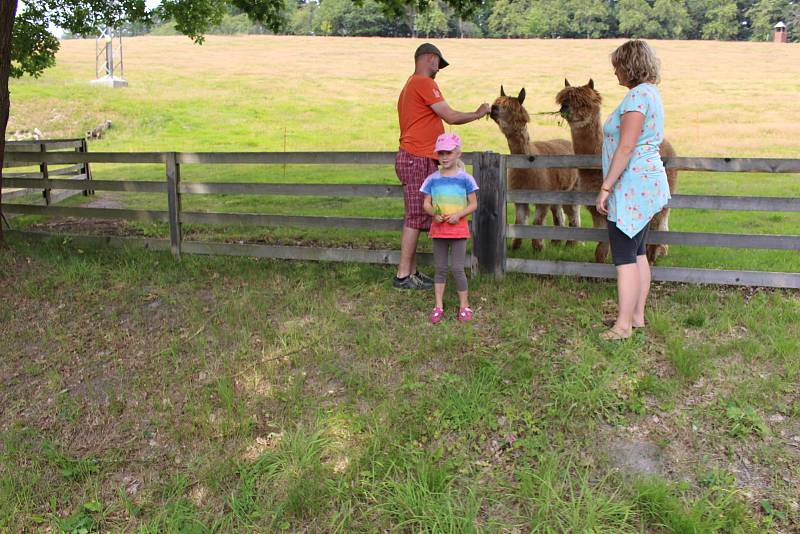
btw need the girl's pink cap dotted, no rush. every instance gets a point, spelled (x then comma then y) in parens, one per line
(447, 142)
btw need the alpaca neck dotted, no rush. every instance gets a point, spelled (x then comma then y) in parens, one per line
(587, 136)
(519, 142)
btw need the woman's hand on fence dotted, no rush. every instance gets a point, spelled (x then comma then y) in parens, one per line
(601, 204)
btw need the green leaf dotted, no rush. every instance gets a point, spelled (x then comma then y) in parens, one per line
(93, 506)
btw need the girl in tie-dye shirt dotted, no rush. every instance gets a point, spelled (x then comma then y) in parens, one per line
(449, 197)
(634, 181)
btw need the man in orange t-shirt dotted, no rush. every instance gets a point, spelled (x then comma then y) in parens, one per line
(421, 109)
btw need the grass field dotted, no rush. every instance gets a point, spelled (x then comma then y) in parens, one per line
(140, 394)
(271, 93)
(222, 394)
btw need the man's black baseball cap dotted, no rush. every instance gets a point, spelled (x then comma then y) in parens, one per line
(428, 48)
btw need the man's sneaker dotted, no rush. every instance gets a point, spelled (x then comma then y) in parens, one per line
(412, 281)
(424, 277)
(464, 314)
(436, 315)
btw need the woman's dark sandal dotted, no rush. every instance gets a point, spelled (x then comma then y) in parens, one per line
(611, 322)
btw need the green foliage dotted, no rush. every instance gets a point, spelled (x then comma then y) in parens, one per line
(338, 17)
(422, 496)
(84, 520)
(719, 508)
(547, 18)
(303, 19)
(33, 47)
(591, 18)
(75, 469)
(509, 18)
(235, 24)
(461, 403)
(793, 23)
(721, 20)
(558, 494)
(558, 18)
(178, 514)
(673, 18)
(290, 481)
(636, 19)
(432, 21)
(763, 17)
(687, 359)
(166, 28)
(745, 421)
(197, 18)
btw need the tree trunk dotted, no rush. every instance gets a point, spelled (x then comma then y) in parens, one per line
(8, 9)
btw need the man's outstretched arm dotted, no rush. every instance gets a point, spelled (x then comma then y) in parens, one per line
(451, 116)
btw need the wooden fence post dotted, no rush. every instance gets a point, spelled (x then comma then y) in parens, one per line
(45, 175)
(86, 170)
(473, 260)
(489, 223)
(174, 203)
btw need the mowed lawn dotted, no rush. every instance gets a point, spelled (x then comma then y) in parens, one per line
(141, 394)
(236, 395)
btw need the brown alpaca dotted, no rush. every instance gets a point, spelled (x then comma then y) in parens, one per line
(580, 107)
(511, 117)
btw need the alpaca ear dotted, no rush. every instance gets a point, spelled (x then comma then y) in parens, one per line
(502, 91)
(521, 96)
(591, 83)
(566, 83)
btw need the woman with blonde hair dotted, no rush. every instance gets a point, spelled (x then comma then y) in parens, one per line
(634, 180)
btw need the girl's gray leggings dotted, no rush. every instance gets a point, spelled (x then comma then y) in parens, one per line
(459, 254)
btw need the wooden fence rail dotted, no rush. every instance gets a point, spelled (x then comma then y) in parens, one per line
(490, 228)
(77, 171)
(681, 164)
(213, 158)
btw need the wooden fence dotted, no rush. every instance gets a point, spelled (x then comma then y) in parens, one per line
(79, 171)
(174, 188)
(490, 228)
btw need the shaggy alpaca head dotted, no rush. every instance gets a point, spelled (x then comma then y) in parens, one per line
(508, 113)
(579, 104)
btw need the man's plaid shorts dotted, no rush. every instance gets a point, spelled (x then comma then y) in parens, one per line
(412, 171)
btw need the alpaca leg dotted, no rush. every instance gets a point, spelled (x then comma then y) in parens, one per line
(663, 226)
(659, 223)
(558, 219)
(521, 213)
(602, 248)
(538, 218)
(574, 216)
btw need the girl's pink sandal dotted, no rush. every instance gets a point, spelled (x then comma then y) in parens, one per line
(436, 315)
(464, 314)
